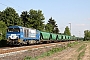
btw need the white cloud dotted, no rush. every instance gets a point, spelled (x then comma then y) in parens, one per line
(88, 19)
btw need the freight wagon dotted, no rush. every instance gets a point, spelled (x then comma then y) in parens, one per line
(18, 35)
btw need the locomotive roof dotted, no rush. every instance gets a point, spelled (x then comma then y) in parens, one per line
(14, 27)
(19, 27)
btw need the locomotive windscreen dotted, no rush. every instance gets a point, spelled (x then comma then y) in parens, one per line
(13, 30)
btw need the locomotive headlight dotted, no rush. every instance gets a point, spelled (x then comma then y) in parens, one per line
(18, 36)
(19, 40)
(9, 38)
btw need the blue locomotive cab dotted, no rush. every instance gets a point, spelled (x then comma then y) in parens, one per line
(13, 35)
(18, 35)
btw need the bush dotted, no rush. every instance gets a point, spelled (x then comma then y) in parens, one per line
(3, 43)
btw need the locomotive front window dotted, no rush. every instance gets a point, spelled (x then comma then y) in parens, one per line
(13, 30)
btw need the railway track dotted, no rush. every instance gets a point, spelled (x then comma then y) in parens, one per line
(10, 51)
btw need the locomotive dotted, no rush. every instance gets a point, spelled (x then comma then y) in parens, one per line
(18, 35)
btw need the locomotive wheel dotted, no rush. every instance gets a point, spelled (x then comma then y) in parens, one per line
(28, 43)
(20, 44)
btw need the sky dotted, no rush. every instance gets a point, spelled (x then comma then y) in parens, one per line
(76, 12)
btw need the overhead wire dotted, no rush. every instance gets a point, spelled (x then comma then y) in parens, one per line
(16, 4)
(3, 4)
(8, 6)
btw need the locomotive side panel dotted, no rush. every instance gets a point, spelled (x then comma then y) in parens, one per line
(31, 34)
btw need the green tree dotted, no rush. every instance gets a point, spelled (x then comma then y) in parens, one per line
(54, 25)
(33, 19)
(2, 30)
(1, 14)
(10, 17)
(48, 28)
(73, 35)
(87, 34)
(25, 18)
(56, 30)
(67, 31)
(37, 19)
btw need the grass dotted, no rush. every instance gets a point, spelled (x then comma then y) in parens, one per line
(81, 51)
(81, 55)
(54, 50)
(82, 47)
(72, 44)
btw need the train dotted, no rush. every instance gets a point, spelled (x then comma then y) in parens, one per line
(18, 35)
